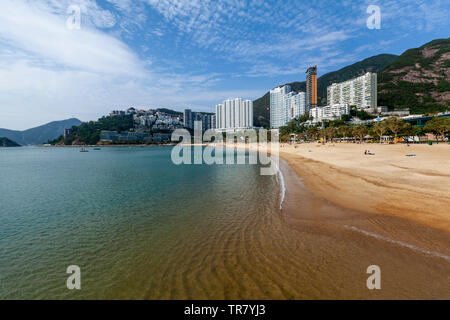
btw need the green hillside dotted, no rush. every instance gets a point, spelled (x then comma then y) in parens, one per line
(5, 143)
(89, 132)
(372, 64)
(419, 79)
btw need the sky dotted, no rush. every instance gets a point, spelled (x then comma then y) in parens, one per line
(185, 53)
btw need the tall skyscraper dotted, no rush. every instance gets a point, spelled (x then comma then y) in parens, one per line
(285, 105)
(234, 114)
(360, 92)
(311, 87)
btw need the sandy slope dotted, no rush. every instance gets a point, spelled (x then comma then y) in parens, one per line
(389, 182)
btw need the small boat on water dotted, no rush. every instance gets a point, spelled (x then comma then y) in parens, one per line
(83, 150)
(97, 149)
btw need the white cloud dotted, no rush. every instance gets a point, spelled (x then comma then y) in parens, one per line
(93, 15)
(46, 35)
(31, 95)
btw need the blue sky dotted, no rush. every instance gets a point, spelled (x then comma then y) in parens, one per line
(180, 53)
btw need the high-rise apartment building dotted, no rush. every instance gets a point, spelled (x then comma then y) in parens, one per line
(188, 121)
(205, 118)
(234, 114)
(285, 105)
(360, 92)
(311, 87)
(296, 103)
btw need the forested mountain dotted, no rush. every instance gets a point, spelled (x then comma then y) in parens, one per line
(419, 79)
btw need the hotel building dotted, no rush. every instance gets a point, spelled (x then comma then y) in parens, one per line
(234, 114)
(360, 92)
(285, 105)
(311, 87)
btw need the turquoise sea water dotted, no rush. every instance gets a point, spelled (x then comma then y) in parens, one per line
(136, 224)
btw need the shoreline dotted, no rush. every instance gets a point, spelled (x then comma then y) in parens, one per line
(388, 183)
(382, 184)
(117, 145)
(101, 145)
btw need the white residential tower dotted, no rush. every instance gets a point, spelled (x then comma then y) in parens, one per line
(234, 114)
(360, 92)
(285, 105)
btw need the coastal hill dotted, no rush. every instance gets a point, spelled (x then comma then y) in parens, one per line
(419, 79)
(89, 132)
(372, 64)
(5, 143)
(41, 134)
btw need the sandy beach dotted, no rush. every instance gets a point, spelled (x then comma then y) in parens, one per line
(389, 182)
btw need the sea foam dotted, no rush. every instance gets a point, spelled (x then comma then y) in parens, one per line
(400, 243)
(282, 183)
